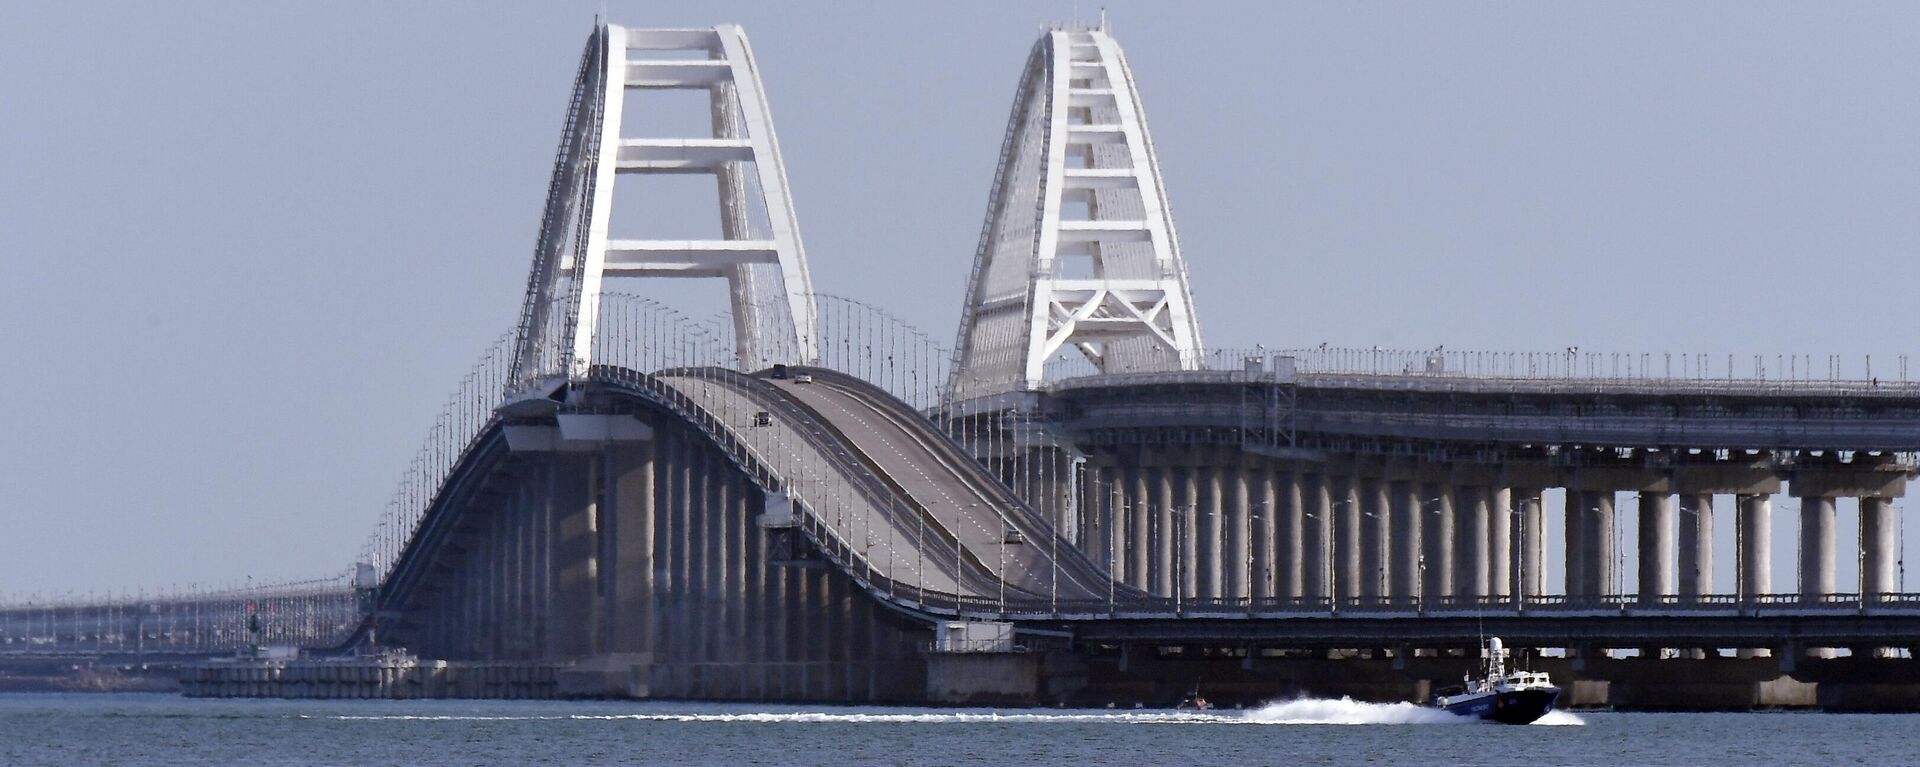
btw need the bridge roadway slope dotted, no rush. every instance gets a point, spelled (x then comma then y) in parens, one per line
(940, 476)
(837, 437)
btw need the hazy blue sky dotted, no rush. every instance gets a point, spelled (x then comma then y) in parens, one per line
(246, 249)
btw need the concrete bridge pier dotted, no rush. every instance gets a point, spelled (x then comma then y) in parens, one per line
(1754, 529)
(1375, 522)
(1290, 541)
(1470, 579)
(1346, 539)
(1878, 539)
(1437, 535)
(1263, 513)
(1315, 555)
(1240, 569)
(1102, 513)
(1187, 503)
(1140, 540)
(1530, 515)
(1598, 539)
(1209, 551)
(1574, 529)
(1695, 570)
(1164, 519)
(1656, 547)
(1405, 509)
(1500, 528)
(1817, 571)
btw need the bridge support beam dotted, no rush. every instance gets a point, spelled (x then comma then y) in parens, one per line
(1656, 546)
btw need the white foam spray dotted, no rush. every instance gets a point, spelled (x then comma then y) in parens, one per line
(1307, 711)
(1346, 710)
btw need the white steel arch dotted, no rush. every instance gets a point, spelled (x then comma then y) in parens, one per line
(760, 252)
(1079, 248)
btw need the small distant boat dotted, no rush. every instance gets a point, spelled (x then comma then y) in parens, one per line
(1194, 702)
(1499, 694)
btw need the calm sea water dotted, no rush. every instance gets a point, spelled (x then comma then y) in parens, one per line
(83, 729)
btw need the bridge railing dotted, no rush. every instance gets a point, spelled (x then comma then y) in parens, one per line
(1804, 373)
(469, 411)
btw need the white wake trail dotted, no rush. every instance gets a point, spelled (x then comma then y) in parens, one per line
(1346, 710)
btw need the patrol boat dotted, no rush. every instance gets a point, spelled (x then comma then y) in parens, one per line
(1508, 697)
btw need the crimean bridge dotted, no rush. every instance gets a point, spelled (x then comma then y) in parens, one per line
(1077, 500)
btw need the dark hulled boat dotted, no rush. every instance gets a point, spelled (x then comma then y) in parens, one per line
(1499, 694)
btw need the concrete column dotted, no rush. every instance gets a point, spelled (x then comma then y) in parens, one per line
(1210, 553)
(1265, 527)
(1112, 498)
(1437, 535)
(1575, 528)
(1140, 531)
(1817, 577)
(1696, 545)
(1878, 539)
(1599, 541)
(632, 512)
(1755, 529)
(1346, 539)
(1188, 517)
(1470, 575)
(1164, 519)
(1315, 564)
(1531, 517)
(1500, 525)
(1404, 507)
(1290, 542)
(1100, 507)
(575, 545)
(1239, 564)
(1656, 546)
(1374, 519)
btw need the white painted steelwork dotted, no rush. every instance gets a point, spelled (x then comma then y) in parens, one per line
(1079, 247)
(759, 253)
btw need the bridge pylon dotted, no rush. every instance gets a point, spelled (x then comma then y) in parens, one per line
(1079, 248)
(760, 252)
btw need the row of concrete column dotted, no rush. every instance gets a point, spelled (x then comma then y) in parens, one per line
(649, 554)
(1263, 530)
(1243, 528)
